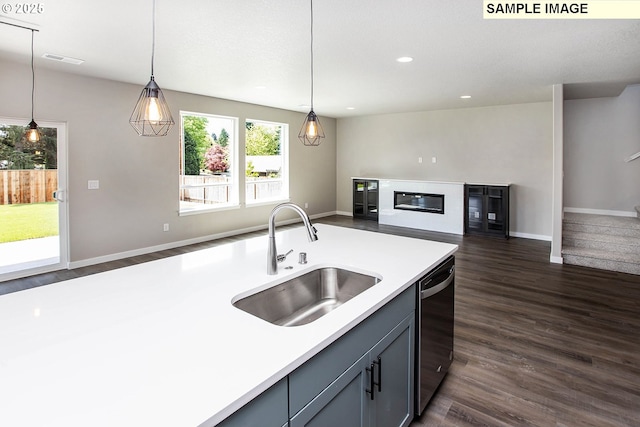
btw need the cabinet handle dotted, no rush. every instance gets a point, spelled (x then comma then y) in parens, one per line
(379, 364)
(371, 390)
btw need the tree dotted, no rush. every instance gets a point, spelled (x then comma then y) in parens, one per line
(196, 143)
(223, 139)
(16, 152)
(250, 171)
(216, 159)
(262, 140)
(50, 140)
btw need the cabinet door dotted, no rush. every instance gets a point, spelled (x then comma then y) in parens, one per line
(496, 209)
(359, 198)
(365, 199)
(267, 410)
(392, 360)
(372, 199)
(343, 403)
(475, 208)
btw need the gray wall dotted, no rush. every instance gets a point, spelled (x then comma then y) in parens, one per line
(139, 176)
(502, 144)
(599, 134)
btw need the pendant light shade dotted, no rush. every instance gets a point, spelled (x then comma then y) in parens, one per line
(151, 115)
(33, 133)
(311, 133)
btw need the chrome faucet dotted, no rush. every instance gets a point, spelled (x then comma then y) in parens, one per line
(272, 253)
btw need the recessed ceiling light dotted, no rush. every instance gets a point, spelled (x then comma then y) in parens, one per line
(61, 58)
(351, 108)
(465, 96)
(304, 106)
(260, 87)
(404, 59)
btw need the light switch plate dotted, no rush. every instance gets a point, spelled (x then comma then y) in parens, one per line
(93, 184)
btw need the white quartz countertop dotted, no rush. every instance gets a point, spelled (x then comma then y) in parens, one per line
(160, 343)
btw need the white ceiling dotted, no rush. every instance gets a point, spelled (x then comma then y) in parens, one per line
(228, 48)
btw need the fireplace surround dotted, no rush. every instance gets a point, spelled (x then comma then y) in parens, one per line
(451, 220)
(419, 202)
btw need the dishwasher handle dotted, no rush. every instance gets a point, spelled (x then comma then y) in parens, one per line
(432, 290)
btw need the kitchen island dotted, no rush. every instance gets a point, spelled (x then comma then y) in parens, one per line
(161, 344)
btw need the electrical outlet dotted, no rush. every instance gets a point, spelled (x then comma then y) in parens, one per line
(306, 205)
(419, 159)
(165, 227)
(434, 160)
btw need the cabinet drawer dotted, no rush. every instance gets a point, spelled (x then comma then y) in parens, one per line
(310, 379)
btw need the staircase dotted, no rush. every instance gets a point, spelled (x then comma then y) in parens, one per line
(602, 241)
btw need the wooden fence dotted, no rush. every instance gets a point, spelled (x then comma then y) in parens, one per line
(27, 186)
(212, 189)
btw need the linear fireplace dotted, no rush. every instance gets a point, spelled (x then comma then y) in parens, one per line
(418, 202)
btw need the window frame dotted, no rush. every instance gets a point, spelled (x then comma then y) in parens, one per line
(284, 172)
(234, 195)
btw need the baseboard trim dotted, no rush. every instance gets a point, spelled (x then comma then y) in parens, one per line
(530, 236)
(556, 259)
(180, 243)
(344, 213)
(600, 212)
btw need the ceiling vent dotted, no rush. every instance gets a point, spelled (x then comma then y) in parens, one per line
(60, 58)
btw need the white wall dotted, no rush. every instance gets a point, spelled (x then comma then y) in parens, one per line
(599, 134)
(502, 144)
(139, 176)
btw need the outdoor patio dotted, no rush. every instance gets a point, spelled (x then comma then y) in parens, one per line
(30, 253)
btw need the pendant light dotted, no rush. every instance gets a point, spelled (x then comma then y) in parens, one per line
(33, 133)
(151, 115)
(311, 132)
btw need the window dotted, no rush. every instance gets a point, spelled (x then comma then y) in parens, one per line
(267, 162)
(208, 162)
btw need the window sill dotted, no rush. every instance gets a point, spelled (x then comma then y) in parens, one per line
(267, 202)
(196, 211)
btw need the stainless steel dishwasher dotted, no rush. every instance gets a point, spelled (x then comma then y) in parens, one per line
(434, 320)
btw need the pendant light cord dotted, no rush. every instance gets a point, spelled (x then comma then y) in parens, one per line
(311, 55)
(33, 77)
(153, 37)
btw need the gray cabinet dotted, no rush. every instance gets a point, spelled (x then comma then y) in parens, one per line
(375, 390)
(267, 410)
(393, 364)
(364, 379)
(343, 403)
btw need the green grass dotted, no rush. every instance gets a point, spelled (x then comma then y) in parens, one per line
(28, 221)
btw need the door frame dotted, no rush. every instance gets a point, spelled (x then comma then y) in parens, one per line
(63, 202)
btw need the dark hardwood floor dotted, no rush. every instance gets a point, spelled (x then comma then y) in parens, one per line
(536, 344)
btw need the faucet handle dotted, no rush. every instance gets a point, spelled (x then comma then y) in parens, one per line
(281, 257)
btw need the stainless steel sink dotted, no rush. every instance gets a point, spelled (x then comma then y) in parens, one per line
(308, 297)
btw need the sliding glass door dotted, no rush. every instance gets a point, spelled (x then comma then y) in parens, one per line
(33, 209)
